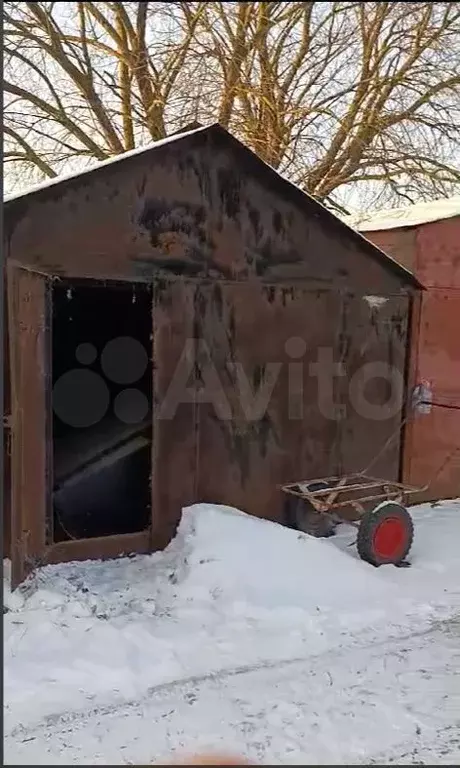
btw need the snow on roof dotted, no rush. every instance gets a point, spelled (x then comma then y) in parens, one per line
(410, 216)
(102, 164)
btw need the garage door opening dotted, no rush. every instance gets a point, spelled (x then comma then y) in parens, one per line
(101, 410)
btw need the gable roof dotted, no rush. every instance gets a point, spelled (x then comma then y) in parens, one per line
(284, 187)
(409, 216)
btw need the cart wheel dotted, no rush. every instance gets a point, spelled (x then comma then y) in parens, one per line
(302, 516)
(385, 535)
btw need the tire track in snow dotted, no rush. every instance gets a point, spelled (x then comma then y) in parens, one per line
(394, 646)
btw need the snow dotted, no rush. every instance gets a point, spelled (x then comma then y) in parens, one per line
(242, 636)
(409, 216)
(376, 302)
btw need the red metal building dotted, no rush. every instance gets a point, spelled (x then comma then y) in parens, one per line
(426, 239)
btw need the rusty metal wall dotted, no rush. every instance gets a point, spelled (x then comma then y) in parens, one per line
(213, 448)
(249, 334)
(262, 419)
(401, 244)
(438, 254)
(436, 435)
(238, 264)
(434, 251)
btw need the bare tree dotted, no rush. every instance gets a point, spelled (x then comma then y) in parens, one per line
(339, 96)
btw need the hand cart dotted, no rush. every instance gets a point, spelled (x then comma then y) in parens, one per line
(385, 532)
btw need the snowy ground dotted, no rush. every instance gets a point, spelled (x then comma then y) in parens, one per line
(242, 636)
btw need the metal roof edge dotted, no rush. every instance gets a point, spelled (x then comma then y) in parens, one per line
(373, 249)
(61, 179)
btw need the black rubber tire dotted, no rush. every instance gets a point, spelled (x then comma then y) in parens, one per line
(367, 529)
(293, 506)
(297, 509)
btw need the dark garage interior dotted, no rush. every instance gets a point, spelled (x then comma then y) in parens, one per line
(101, 409)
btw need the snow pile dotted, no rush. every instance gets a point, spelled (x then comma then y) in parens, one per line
(237, 559)
(230, 593)
(219, 555)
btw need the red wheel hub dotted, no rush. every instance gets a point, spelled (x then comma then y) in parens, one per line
(389, 538)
